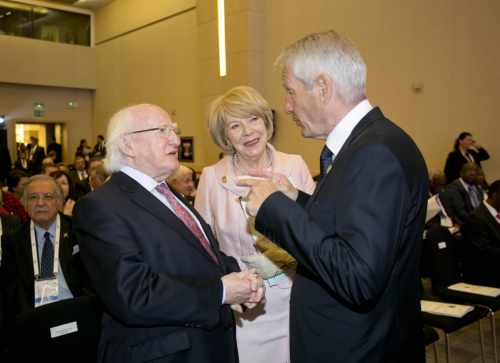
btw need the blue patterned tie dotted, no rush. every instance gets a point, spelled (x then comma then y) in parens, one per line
(325, 160)
(47, 265)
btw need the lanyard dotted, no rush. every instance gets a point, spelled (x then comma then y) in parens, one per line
(34, 250)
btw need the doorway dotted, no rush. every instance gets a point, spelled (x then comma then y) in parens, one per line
(47, 134)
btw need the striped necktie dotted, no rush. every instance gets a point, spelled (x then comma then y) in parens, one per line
(186, 218)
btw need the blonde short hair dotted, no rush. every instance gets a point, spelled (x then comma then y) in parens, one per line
(239, 102)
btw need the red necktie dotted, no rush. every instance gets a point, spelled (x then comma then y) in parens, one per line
(498, 217)
(185, 217)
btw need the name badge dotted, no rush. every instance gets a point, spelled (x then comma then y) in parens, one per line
(46, 291)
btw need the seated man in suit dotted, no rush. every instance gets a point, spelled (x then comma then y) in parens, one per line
(152, 259)
(482, 233)
(462, 196)
(182, 181)
(40, 259)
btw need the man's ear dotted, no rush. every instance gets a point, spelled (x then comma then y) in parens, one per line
(126, 146)
(325, 87)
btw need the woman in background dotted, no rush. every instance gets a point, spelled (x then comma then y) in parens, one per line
(67, 187)
(465, 150)
(241, 124)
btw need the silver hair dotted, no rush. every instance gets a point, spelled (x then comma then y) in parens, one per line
(122, 122)
(333, 55)
(40, 177)
(180, 171)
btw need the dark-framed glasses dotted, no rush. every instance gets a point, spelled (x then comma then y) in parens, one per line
(166, 130)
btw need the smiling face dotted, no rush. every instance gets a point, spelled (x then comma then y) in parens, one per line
(153, 152)
(247, 136)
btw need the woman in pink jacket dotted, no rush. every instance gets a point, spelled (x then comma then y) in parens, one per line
(241, 123)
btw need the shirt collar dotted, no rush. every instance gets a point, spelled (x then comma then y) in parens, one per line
(466, 186)
(143, 179)
(338, 136)
(40, 232)
(492, 210)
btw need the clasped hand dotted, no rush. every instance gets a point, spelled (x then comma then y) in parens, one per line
(244, 287)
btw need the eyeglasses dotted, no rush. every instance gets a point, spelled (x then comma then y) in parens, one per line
(46, 197)
(164, 130)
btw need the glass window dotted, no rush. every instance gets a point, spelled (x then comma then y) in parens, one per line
(44, 23)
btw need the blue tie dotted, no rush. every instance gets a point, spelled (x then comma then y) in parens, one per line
(325, 160)
(473, 197)
(47, 265)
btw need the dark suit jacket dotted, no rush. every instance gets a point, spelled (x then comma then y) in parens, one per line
(161, 288)
(456, 201)
(482, 236)
(17, 269)
(54, 146)
(456, 160)
(35, 163)
(357, 241)
(5, 163)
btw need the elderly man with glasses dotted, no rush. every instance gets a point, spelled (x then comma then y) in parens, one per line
(153, 261)
(40, 260)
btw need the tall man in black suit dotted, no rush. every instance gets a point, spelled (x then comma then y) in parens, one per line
(152, 259)
(482, 234)
(36, 154)
(357, 238)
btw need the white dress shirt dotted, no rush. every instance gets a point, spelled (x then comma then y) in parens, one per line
(341, 132)
(492, 210)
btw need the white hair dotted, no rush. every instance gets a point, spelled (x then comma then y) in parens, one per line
(179, 172)
(333, 55)
(40, 177)
(122, 122)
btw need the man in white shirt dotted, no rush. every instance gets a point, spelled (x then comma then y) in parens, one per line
(357, 239)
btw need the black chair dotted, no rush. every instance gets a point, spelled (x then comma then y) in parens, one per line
(35, 335)
(446, 271)
(431, 337)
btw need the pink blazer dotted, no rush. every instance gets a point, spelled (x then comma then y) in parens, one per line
(217, 199)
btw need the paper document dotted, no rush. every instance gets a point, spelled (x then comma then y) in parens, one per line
(476, 289)
(445, 309)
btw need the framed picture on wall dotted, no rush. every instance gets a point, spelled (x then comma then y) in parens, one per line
(186, 149)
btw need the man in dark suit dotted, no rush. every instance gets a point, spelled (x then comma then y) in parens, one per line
(152, 259)
(482, 235)
(57, 148)
(46, 232)
(462, 196)
(30, 273)
(357, 238)
(36, 154)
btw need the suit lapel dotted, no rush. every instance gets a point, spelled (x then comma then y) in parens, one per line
(147, 201)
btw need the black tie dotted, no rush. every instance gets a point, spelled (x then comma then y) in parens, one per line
(325, 160)
(47, 265)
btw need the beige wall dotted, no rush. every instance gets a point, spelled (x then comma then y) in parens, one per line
(448, 46)
(167, 54)
(43, 63)
(155, 64)
(16, 102)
